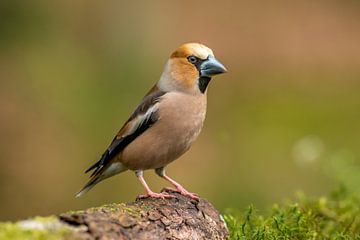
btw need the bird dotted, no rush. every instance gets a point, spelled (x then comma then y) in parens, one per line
(166, 122)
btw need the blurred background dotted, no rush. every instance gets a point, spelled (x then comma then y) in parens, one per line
(71, 72)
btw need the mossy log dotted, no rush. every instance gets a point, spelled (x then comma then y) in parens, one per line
(174, 218)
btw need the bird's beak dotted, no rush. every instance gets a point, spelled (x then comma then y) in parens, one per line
(211, 67)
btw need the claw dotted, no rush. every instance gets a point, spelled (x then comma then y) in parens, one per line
(184, 192)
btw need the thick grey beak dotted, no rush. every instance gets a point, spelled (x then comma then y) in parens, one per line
(211, 67)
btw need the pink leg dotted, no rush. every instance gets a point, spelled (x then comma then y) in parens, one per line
(150, 193)
(179, 188)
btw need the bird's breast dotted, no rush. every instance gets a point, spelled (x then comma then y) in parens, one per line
(181, 118)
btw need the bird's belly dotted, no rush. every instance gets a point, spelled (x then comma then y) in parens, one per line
(170, 137)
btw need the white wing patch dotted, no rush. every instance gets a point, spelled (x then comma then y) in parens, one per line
(140, 119)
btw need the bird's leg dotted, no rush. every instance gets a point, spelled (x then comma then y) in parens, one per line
(149, 193)
(179, 188)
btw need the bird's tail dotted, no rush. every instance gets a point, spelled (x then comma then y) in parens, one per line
(113, 169)
(93, 181)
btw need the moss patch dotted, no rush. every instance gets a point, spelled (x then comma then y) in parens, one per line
(336, 216)
(39, 228)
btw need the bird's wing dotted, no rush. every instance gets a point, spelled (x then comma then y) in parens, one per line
(143, 118)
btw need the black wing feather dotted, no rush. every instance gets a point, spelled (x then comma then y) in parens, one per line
(119, 143)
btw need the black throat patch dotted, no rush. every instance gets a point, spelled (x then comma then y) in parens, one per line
(203, 83)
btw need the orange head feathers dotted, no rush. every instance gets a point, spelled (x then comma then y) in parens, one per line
(188, 49)
(190, 69)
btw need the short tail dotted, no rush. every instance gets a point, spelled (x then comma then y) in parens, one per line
(113, 169)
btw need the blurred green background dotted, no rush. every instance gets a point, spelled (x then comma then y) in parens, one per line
(71, 72)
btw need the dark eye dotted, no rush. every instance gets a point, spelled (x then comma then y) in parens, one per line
(192, 59)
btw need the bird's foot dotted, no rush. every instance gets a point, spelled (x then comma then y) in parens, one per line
(156, 195)
(184, 192)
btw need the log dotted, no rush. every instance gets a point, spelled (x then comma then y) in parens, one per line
(175, 218)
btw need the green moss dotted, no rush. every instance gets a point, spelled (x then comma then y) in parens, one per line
(132, 211)
(336, 216)
(21, 231)
(75, 212)
(112, 207)
(48, 219)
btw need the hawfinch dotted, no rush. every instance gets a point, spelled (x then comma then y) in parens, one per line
(166, 122)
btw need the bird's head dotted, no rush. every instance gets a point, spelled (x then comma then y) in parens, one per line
(190, 69)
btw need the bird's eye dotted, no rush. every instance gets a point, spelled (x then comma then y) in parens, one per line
(192, 59)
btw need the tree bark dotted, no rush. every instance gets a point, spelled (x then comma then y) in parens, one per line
(176, 218)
